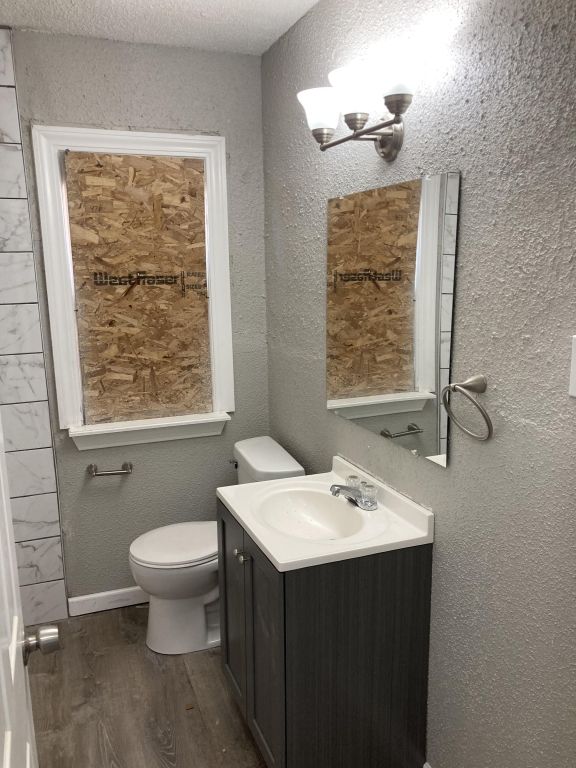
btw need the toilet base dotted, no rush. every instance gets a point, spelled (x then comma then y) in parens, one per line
(178, 626)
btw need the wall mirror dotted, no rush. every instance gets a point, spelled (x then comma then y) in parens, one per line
(390, 291)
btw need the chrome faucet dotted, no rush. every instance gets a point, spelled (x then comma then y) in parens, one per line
(354, 496)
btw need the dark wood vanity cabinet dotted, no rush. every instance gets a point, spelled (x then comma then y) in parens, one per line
(252, 632)
(329, 664)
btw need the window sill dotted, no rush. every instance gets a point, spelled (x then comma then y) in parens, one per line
(148, 430)
(380, 405)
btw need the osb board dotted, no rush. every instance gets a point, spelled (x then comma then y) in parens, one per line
(138, 251)
(370, 310)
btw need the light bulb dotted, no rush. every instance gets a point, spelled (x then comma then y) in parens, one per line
(355, 93)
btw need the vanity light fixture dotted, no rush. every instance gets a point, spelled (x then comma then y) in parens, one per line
(352, 94)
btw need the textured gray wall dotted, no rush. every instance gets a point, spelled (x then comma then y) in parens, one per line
(502, 680)
(75, 81)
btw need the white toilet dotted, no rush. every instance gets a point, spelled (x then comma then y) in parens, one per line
(177, 565)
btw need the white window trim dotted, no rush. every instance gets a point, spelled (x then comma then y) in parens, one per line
(50, 143)
(367, 406)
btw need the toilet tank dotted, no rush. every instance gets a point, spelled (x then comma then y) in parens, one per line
(262, 458)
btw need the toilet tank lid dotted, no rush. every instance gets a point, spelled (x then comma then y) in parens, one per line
(266, 459)
(178, 544)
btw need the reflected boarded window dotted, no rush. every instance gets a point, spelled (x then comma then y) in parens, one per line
(372, 239)
(138, 237)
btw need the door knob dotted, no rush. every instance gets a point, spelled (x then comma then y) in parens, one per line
(45, 639)
(242, 558)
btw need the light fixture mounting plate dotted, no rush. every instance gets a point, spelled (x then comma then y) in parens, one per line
(389, 146)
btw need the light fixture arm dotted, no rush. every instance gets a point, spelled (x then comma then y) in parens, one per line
(364, 132)
(388, 137)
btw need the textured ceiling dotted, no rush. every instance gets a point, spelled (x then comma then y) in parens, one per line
(242, 26)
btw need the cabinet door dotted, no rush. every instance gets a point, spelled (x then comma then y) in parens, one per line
(357, 661)
(232, 603)
(265, 672)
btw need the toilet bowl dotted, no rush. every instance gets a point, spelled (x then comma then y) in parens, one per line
(177, 566)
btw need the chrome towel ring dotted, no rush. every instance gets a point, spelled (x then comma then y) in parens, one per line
(473, 384)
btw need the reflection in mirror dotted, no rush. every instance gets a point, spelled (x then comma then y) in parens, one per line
(391, 261)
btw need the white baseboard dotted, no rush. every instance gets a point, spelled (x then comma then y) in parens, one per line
(105, 601)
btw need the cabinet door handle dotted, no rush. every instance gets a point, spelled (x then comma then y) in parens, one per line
(236, 552)
(243, 558)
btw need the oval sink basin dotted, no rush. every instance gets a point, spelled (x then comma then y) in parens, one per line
(297, 523)
(310, 514)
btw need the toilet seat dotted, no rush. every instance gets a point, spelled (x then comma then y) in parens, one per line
(186, 564)
(176, 546)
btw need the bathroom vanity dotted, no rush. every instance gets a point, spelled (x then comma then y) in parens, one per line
(325, 622)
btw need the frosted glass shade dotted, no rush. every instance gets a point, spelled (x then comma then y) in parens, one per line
(321, 107)
(354, 91)
(398, 89)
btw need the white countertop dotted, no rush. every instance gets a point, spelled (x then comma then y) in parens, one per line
(398, 522)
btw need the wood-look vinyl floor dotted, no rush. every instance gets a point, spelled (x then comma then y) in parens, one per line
(106, 701)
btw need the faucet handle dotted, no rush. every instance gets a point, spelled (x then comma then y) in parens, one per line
(353, 481)
(368, 492)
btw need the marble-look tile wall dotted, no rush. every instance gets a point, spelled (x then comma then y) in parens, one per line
(23, 395)
(449, 234)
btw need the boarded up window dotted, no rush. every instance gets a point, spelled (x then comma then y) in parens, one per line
(372, 239)
(138, 238)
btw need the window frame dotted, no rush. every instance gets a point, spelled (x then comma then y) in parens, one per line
(49, 145)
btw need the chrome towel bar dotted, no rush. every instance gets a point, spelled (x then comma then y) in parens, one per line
(473, 384)
(411, 429)
(93, 470)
